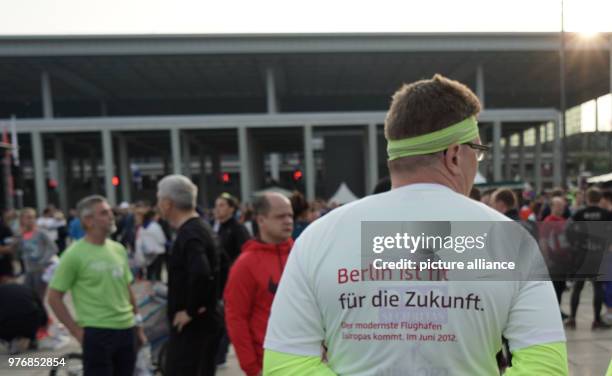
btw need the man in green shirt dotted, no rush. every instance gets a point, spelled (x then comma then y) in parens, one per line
(95, 270)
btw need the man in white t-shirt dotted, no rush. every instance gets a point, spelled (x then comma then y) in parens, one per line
(325, 320)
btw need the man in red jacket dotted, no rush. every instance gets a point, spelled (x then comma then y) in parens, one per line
(254, 278)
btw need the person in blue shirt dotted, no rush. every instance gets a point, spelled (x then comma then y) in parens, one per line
(75, 230)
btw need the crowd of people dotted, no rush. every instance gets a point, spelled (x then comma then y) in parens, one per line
(551, 218)
(157, 247)
(223, 265)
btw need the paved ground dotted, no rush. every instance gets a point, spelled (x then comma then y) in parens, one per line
(589, 352)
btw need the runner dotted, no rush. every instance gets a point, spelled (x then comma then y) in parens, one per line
(318, 311)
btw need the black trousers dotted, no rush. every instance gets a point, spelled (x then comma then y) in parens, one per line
(559, 288)
(109, 352)
(598, 298)
(154, 270)
(192, 351)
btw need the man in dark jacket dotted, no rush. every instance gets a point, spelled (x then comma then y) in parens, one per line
(254, 278)
(589, 252)
(193, 267)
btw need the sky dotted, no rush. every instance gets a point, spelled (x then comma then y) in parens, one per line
(92, 17)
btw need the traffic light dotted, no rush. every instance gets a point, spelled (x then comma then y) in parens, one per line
(297, 175)
(115, 181)
(225, 178)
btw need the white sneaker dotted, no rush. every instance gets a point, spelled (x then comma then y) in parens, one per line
(18, 345)
(53, 342)
(57, 329)
(608, 318)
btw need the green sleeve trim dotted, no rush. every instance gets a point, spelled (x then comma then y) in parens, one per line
(609, 373)
(283, 364)
(547, 359)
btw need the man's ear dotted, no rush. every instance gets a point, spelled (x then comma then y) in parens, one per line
(85, 222)
(164, 203)
(258, 220)
(452, 159)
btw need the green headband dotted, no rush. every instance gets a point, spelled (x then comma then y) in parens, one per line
(433, 142)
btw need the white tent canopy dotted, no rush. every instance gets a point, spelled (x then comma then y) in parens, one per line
(479, 179)
(600, 179)
(343, 195)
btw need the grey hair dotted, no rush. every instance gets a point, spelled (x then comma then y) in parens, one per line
(180, 190)
(85, 207)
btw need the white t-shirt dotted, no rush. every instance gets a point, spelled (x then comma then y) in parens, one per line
(307, 311)
(50, 225)
(150, 242)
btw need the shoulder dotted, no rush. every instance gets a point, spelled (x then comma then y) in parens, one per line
(579, 212)
(73, 253)
(42, 235)
(194, 230)
(115, 246)
(247, 262)
(154, 227)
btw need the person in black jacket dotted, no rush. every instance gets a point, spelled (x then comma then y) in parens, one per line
(193, 268)
(232, 235)
(22, 312)
(589, 245)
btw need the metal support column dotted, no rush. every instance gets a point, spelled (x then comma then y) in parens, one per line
(245, 175)
(497, 163)
(507, 160)
(372, 157)
(93, 163)
(557, 161)
(272, 100)
(125, 173)
(175, 147)
(40, 180)
(480, 85)
(62, 183)
(522, 155)
(202, 189)
(310, 171)
(537, 167)
(275, 162)
(47, 95)
(186, 155)
(109, 170)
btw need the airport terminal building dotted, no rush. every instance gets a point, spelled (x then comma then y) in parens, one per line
(238, 113)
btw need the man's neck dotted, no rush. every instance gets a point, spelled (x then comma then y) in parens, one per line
(423, 177)
(264, 238)
(180, 218)
(95, 239)
(224, 220)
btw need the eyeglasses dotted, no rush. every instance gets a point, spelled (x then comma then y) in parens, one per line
(480, 149)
